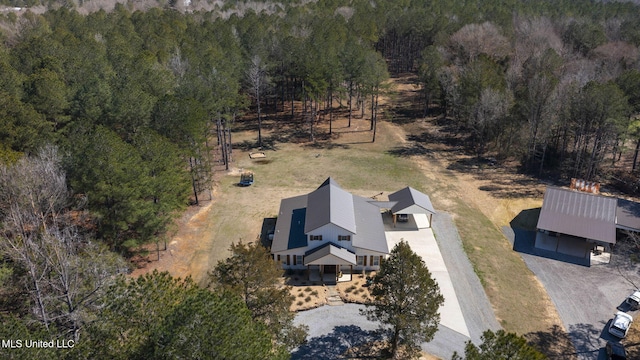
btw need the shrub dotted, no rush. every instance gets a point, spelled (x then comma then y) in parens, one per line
(299, 303)
(307, 289)
(314, 293)
(307, 299)
(300, 294)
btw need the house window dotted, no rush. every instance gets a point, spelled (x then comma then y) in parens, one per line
(375, 261)
(315, 237)
(299, 260)
(344, 237)
(359, 260)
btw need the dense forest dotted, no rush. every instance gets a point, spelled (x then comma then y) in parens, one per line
(108, 119)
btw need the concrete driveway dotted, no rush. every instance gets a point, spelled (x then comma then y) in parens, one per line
(586, 297)
(465, 315)
(423, 242)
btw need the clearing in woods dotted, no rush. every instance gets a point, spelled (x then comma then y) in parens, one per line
(409, 150)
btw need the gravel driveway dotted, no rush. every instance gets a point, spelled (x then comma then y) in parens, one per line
(586, 297)
(334, 329)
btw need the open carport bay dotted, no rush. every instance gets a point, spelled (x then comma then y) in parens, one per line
(586, 297)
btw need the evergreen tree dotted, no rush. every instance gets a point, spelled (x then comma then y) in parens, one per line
(406, 300)
(255, 277)
(500, 345)
(156, 316)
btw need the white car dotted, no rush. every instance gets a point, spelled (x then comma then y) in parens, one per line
(634, 300)
(620, 324)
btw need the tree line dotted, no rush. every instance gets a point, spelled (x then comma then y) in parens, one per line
(107, 121)
(132, 98)
(559, 94)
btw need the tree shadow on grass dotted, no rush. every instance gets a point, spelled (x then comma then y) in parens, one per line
(555, 343)
(335, 344)
(410, 150)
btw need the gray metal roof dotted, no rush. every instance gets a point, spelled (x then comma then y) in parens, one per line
(628, 215)
(408, 197)
(331, 205)
(579, 214)
(363, 215)
(289, 232)
(370, 235)
(330, 254)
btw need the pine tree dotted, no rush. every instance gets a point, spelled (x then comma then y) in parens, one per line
(500, 345)
(253, 275)
(405, 300)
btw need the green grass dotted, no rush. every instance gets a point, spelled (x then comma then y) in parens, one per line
(510, 285)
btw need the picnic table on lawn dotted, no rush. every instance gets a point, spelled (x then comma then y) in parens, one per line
(257, 155)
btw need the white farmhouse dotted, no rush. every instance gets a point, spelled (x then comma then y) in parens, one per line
(330, 231)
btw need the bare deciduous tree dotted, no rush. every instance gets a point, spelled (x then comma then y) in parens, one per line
(490, 108)
(65, 271)
(475, 39)
(257, 78)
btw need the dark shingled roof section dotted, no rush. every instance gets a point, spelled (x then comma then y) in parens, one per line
(297, 237)
(579, 214)
(628, 215)
(331, 205)
(285, 225)
(408, 197)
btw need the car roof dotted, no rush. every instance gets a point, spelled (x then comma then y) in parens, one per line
(624, 315)
(622, 320)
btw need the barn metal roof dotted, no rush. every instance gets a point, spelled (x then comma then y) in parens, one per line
(331, 205)
(411, 201)
(579, 214)
(628, 215)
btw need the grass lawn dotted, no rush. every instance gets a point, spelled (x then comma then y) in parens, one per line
(480, 199)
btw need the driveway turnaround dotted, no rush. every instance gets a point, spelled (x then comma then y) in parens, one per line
(586, 297)
(464, 316)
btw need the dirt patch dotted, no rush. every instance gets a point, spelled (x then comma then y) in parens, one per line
(308, 297)
(182, 256)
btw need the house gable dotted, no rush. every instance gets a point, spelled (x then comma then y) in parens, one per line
(329, 204)
(411, 201)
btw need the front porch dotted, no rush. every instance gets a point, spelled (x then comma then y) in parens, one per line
(327, 274)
